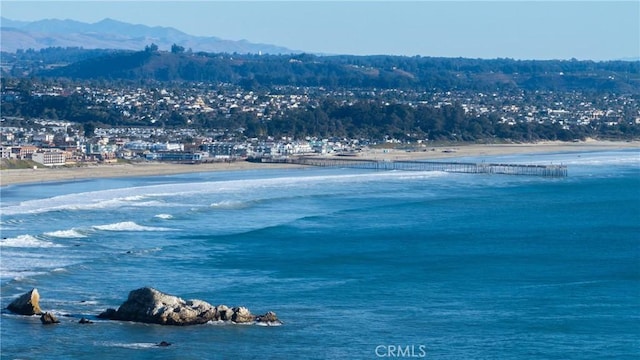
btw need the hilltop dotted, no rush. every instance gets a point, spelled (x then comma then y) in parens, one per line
(348, 71)
(113, 34)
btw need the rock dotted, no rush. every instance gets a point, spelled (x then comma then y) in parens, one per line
(85, 321)
(242, 315)
(224, 313)
(269, 319)
(27, 304)
(49, 318)
(148, 305)
(108, 314)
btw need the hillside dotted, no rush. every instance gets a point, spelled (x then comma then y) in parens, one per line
(254, 71)
(113, 34)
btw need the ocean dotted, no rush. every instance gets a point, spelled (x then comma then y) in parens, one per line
(358, 264)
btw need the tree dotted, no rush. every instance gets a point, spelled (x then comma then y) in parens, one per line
(151, 48)
(177, 49)
(89, 129)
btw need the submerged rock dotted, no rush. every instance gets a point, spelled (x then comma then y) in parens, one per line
(26, 304)
(85, 321)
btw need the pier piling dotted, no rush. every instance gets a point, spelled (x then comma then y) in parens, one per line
(412, 165)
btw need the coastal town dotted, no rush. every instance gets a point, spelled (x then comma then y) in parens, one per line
(159, 136)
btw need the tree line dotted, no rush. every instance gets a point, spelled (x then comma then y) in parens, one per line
(263, 71)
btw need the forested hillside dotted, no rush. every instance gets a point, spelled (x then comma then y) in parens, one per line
(255, 71)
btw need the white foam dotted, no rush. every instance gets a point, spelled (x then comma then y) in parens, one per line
(67, 234)
(230, 204)
(94, 200)
(27, 241)
(140, 196)
(20, 265)
(20, 276)
(268, 323)
(129, 345)
(164, 216)
(128, 226)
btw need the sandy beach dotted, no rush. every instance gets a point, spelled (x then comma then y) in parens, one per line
(42, 174)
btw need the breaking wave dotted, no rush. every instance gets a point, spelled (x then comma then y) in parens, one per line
(27, 241)
(67, 234)
(129, 226)
(230, 204)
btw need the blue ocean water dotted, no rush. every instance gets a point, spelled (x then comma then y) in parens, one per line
(358, 264)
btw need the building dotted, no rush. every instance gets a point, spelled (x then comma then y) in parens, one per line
(23, 152)
(49, 158)
(177, 156)
(5, 152)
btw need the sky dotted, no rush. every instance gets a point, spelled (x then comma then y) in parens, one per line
(584, 30)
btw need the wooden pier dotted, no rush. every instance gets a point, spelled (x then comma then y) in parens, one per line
(412, 165)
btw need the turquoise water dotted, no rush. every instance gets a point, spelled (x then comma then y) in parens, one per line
(357, 264)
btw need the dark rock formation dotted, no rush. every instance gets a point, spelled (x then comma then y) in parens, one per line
(85, 321)
(26, 304)
(148, 305)
(49, 318)
(108, 314)
(268, 319)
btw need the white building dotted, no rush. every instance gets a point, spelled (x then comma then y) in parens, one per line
(49, 158)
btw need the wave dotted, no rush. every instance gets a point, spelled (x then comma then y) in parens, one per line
(129, 226)
(174, 194)
(231, 204)
(27, 241)
(94, 200)
(152, 195)
(611, 157)
(10, 223)
(67, 234)
(20, 276)
(21, 265)
(164, 216)
(128, 345)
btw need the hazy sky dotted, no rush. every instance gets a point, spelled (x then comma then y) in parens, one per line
(596, 30)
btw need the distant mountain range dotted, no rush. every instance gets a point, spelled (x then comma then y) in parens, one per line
(113, 34)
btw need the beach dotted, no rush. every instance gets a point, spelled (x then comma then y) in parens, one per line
(42, 174)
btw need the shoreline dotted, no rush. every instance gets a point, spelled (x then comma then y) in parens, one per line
(42, 175)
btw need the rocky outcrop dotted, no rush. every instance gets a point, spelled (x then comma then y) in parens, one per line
(85, 321)
(148, 305)
(268, 319)
(26, 304)
(242, 315)
(49, 318)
